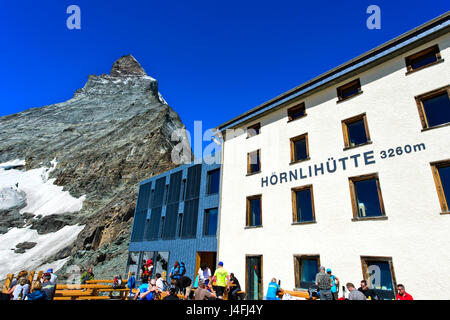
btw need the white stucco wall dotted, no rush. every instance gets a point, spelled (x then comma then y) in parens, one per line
(415, 235)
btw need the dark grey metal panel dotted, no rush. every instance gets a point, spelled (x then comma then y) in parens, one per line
(190, 217)
(193, 182)
(139, 225)
(144, 196)
(174, 187)
(158, 195)
(152, 228)
(170, 223)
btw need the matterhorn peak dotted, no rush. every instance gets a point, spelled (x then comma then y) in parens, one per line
(127, 66)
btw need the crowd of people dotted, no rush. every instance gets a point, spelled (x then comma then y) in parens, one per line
(206, 286)
(201, 288)
(24, 289)
(327, 286)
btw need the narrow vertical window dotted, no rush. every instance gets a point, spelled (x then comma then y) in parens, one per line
(356, 131)
(183, 189)
(180, 224)
(306, 267)
(299, 148)
(254, 162)
(441, 174)
(434, 107)
(210, 225)
(303, 204)
(380, 276)
(367, 201)
(213, 179)
(254, 211)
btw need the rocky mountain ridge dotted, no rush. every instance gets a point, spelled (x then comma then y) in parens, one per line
(114, 132)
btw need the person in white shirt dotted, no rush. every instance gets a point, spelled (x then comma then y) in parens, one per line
(159, 282)
(204, 274)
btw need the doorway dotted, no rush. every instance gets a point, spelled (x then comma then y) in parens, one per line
(253, 277)
(206, 257)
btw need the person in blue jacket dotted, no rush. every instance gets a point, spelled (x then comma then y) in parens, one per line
(36, 292)
(272, 290)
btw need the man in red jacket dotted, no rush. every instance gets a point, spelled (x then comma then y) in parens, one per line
(402, 294)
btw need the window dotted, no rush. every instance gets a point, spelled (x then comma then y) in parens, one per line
(356, 131)
(254, 162)
(133, 262)
(162, 228)
(253, 130)
(379, 274)
(303, 204)
(349, 90)
(254, 211)
(306, 268)
(299, 148)
(367, 201)
(296, 112)
(210, 226)
(441, 173)
(434, 107)
(213, 182)
(423, 59)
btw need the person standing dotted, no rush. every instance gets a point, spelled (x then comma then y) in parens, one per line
(353, 293)
(52, 275)
(335, 284)
(272, 290)
(174, 274)
(323, 281)
(222, 280)
(402, 294)
(369, 293)
(204, 274)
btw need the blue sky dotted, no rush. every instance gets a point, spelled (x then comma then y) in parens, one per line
(213, 59)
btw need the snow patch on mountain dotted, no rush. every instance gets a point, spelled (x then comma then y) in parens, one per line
(42, 196)
(34, 258)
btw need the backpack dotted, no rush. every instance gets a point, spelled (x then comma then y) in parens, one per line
(313, 291)
(118, 283)
(131, 282)
(182, 269)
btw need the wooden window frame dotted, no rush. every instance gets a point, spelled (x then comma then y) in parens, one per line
(355, 208)
(351, 120)
(297, 265)
(292, 143)
(261, 295)
(420, 108)
(294, 204)
(350, 84)
(252, 127)
(249, 165)
(437, 180)
(365, 273)
(422, 53)
(247, 220)
(297, 106)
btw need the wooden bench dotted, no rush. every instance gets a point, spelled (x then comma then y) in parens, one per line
(83, 298)
(297, 294)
